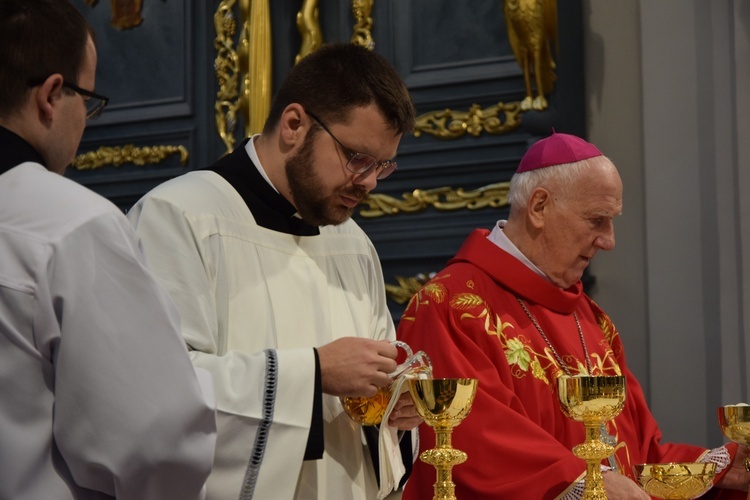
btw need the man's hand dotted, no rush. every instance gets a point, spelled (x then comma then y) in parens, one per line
(404, 415)
(737, 477)
(619, 487)
(356, 367)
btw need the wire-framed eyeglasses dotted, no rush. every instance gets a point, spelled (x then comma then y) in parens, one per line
(95, 103)
(360, 163)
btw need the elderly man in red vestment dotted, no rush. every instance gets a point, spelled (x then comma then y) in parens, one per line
(509, 310)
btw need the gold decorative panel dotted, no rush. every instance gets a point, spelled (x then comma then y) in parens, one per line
(450, 124)
(120, 155)
(444, 198)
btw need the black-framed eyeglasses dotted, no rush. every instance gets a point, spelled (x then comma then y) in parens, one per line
(95, 103)
(360, 163)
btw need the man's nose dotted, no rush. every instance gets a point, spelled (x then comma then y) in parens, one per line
(606, 241)
(368, 181)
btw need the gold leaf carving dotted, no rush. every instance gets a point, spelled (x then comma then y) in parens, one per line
(406, 287)
(443, 198)
(227, 70)
(363, 28)
(119, 155)
(449, 124)
(243, 74)
(309, 27)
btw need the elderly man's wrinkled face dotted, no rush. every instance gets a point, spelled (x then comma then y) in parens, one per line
(580, 221)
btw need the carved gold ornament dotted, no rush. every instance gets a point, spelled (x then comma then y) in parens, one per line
(449, 124)
(126, 14)
(363, 28)
(250, 62)
(120, 155)
(407, 287)
(443, 198)
(227, 70)
(532, 28)
(309, 28)
(255, 55)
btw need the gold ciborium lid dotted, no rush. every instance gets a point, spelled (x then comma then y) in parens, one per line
(591, 399)
(443, 401)
(734, 421)
(680, 481)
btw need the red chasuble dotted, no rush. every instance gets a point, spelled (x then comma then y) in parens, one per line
(470, 322)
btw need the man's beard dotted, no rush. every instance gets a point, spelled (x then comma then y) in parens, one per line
(308, 190)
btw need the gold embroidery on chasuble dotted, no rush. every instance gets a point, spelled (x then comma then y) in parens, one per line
(518, 349)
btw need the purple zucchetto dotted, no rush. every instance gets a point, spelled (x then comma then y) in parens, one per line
(556, 150)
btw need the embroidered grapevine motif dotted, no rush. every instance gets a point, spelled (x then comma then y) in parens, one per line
(521, 357)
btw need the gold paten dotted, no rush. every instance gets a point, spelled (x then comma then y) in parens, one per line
(363, 27)
(531, 26)
(443, 404)
(119, 155)
(593, 401)
(309, 27)
(443, 198)
(675, 481)
(450, 124)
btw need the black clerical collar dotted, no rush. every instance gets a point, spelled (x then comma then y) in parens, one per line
(269, 208)
(14, 150)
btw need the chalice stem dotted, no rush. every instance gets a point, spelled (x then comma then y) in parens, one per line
(593, 451)
(593, 485)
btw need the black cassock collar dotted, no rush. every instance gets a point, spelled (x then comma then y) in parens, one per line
(269, 208)
(14, 150)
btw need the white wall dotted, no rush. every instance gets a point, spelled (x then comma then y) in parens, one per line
(667, 84)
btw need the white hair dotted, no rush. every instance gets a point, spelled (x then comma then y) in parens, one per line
(561, 176)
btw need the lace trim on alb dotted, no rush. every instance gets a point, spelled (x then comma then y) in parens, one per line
(261, 438)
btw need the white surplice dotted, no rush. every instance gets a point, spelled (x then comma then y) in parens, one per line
(253, 303)
(98, 397)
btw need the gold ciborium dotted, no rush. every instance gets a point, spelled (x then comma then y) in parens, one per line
(675, 481)
(734, 421)
(443, 404)
(593, 401)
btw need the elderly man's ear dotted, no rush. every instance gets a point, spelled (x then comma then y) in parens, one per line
(538, 203)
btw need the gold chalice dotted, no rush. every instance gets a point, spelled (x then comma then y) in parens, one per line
(678, 481)
(593, 401)
(443, 404)
(734, 421)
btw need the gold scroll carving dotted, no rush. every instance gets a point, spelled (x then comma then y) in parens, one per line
(120, 155)
(227, 71)
(443, 198)
(449, 124)
(406, 287)
(243, 74)
(362, 35)
(309, 28)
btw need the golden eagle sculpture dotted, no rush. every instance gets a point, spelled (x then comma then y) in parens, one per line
(532, 30)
